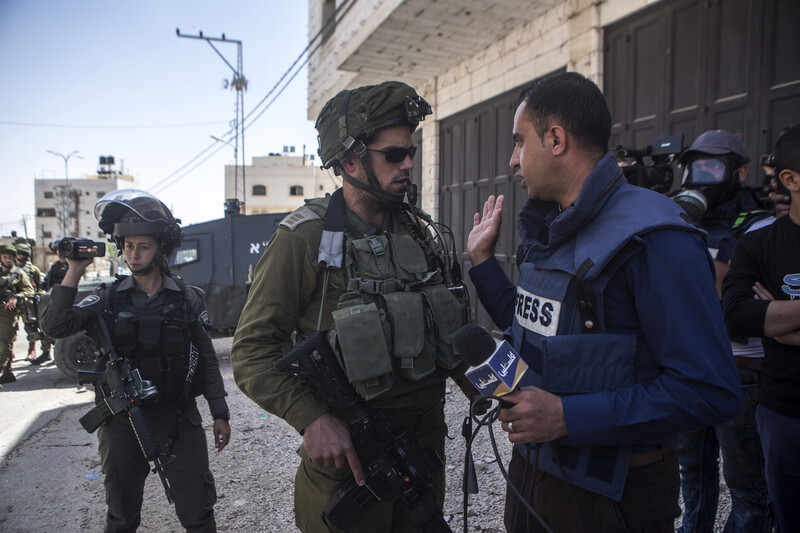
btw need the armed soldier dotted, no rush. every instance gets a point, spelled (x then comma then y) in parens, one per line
(57, 271)
(14, 285)
(360, 268)
(30, 311)
(156, 323)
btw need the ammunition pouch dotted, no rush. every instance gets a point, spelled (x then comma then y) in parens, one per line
(397, 319)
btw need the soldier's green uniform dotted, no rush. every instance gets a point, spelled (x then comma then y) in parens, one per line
(28, 307)
(14, 284)
(415, 319)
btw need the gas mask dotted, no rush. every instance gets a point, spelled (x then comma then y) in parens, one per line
(708, 181)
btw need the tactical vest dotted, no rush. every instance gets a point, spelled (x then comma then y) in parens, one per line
(396, 318)
(559, 327)
(157, 342)
(28, 272)
(7, 282)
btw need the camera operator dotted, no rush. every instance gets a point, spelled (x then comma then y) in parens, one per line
(714, 168)
(165, 340)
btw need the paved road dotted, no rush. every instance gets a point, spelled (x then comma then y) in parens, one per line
(46, 456)
(35, 399)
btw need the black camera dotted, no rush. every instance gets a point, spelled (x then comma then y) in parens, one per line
(657, 174)
(73, 248)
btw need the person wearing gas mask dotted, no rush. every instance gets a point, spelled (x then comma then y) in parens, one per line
(761, 298)
(158, 323)
(714, 168)
(362, 252)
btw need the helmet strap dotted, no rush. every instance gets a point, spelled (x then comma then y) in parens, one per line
(373, 188)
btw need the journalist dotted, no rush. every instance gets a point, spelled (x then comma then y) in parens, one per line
(631, 350)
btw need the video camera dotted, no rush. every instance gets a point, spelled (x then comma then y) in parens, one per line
(658, 173)
(74, 248)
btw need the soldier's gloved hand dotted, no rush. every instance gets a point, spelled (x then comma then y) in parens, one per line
(328, 444)
(222, 433)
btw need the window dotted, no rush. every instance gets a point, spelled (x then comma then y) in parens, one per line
(100, 194)
(187, 253)
(296, 190)
(47, 235)
(328, 19)
(259, 190)
(48, 194)
(321, 187)
(46, 212)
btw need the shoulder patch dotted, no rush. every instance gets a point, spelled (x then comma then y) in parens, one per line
(299, 216)
(88, 301)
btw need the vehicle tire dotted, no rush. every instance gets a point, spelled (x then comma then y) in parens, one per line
(74, 353)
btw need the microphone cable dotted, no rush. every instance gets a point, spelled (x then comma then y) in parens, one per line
(486, 420)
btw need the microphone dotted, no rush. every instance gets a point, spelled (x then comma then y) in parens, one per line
(495, 368)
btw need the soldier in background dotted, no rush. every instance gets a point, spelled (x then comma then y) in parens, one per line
(14, 285)
(30, 308)
(56, 273)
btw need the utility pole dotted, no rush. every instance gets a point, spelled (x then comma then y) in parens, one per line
(25, 224)
(239, 83)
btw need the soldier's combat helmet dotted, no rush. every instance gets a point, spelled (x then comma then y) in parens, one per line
(349, 120)
(134, 212)
(8, 249)
(23, 248)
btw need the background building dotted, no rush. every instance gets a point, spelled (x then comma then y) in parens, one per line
(65, 208)
(666, 67)
(278, 182)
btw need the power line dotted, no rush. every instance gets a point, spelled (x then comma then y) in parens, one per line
(171, 180)
(111, 127)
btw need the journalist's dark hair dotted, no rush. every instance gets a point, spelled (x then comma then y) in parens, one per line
(575, 103)
(787, 150)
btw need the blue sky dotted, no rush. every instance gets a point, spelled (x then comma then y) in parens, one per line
(112, 78)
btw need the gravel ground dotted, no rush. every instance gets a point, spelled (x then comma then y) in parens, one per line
(52, 481)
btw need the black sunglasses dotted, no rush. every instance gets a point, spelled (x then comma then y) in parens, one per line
(396, 154)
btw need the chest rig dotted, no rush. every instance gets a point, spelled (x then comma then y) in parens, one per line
(559, 325)
(9, 283)
(157, 341)
(397, 317)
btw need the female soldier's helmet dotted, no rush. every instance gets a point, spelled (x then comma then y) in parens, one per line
(134, 212)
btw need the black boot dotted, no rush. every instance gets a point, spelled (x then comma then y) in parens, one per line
(45, 356)
(8, 375)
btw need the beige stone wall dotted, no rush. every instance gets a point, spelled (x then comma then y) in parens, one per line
(279, 174)
(568, 36)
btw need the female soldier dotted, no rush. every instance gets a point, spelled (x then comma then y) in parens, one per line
(161, 325)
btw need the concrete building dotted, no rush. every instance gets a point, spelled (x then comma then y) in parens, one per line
(665, 66)
(66, 209)
(278, 182)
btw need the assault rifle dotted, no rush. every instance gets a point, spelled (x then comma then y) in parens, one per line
(393, 461)
(30, 317)
(123, 389)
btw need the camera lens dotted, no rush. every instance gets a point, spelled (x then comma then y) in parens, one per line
(65, 247)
